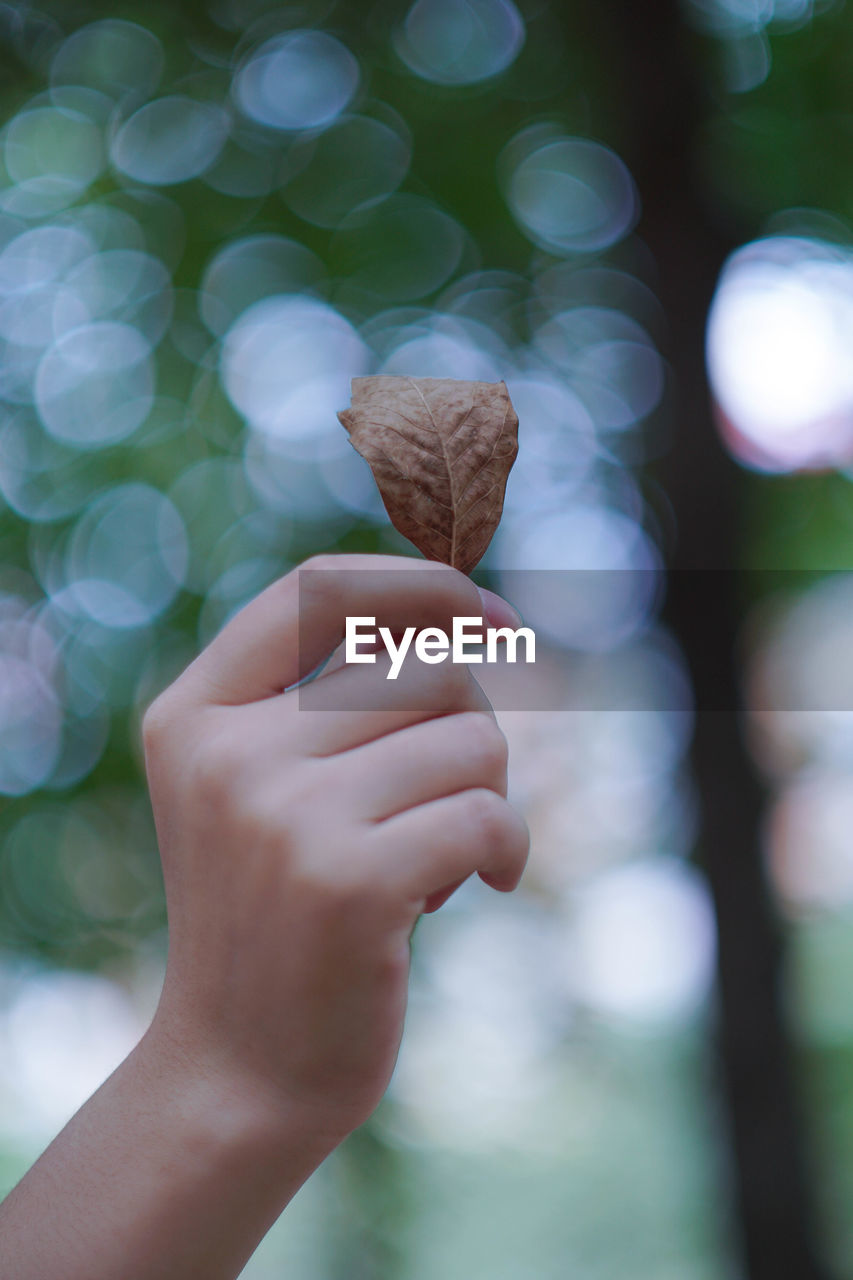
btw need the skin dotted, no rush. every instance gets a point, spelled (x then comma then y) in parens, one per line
(300, 843)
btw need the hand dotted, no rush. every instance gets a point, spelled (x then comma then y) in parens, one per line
(300, 845)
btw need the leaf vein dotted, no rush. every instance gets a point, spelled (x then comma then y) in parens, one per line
(472, 505)
(410, 479)
(481, 468)
(385, 426)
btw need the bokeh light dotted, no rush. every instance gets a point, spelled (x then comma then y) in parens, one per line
(126, 558)
(58, 149)
(730, 16)
(62, 1035)
(610, 359)
(355, 160)
(778, 342)
(460, 43)
(644, 942)
(808, 841)
(287, 363)
(398, 249)
(299, 80)
(170, 140)
(30, 705)
(247, 270)
(570, 195)
(118, 58)
(95, 384)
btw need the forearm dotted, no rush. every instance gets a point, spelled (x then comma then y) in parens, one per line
(165, 1173)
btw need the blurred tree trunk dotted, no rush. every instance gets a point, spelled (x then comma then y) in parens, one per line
(662, 106)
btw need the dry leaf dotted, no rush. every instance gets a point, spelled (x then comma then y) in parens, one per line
(440, 451)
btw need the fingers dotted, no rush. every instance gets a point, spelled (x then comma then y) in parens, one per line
(278, 728)
(424, 762)
(367, 705)
(286, 631)
(439, 844)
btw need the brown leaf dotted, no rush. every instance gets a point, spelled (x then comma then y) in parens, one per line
(440, 451)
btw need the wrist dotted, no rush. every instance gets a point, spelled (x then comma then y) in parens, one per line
(228, 1117)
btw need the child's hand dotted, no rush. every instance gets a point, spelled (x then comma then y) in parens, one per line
(299, 846)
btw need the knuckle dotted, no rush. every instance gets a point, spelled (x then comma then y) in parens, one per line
(486, 813)
(154, 723)
(322, 561)
(484, 741)
(458, 595)
(319, 581)
(159, 725)
(323, 574)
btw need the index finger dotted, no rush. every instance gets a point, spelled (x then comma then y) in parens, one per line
(285, 632)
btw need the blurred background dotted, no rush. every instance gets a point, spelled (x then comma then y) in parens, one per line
(212, 217)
